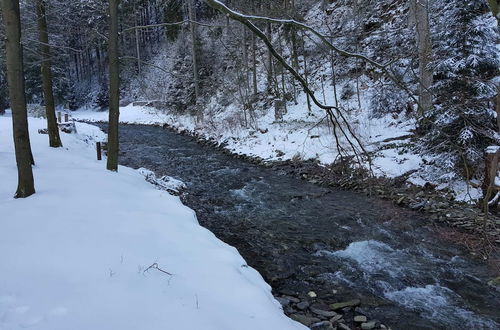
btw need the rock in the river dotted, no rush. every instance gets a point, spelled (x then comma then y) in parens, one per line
(360, 318)
(283, 301)
(350, 303)
(302, 305)
(495, 283)
(369, 325)
(336, 318)
(305, 320)
(292, 299)
(322, 311)
(288, 292)
(312, 294)
(343, 326)
(323, 325)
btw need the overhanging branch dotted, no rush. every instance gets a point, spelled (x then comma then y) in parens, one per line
(333, 112)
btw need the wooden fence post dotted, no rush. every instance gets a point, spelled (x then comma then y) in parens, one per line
(66, 117)
(59, 119)
(99, 150)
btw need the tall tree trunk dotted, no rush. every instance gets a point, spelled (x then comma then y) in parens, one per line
(424, 47)
(495, 9)
(269, 60)
(48, 96)
(306, 72)
(254, 65)
(245, 57)
(99, 62)
(194, 49)
(114, 87)
(77, 71)
(15, 79)
(137, 45)
(498, 107)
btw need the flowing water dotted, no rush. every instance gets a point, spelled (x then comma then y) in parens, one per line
(340, 244)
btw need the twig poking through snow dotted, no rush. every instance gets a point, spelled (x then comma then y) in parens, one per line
(155, 266)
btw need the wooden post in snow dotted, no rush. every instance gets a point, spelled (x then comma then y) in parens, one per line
(99, 150)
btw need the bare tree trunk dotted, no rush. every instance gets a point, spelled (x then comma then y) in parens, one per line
(495, 9)
(245, 57)
(424, 47)
(306, 73)
(254, 65)
(498, 108)
(114, 87)
(194, 51)
(269, 60)
(15, 79)
(99, 62)
(137, 46)
(334, 80)
(48, 95)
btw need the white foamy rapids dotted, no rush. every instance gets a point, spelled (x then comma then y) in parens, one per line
(408, 278)
(435, 302)
(241, 193)
(372, 256)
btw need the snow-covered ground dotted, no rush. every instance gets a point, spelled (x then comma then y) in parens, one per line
(91, 250)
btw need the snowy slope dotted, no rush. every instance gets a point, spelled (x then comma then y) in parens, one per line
(74, 255)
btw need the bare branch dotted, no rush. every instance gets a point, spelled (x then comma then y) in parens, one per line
(328, 108)
(141, 27)
(383, 67)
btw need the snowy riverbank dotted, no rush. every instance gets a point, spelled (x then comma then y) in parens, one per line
(76, 254)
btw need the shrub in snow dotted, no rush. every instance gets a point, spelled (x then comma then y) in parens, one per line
(102, 101)
(388, 99)
(36, 110)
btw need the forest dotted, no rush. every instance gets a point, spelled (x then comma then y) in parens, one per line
(348, 149)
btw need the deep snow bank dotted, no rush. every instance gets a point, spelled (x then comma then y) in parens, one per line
(74, 255)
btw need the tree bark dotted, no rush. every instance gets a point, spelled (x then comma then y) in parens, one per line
(269, 60)
(495, 9)
(424, 47)
(194, 50)
(114, 87)
(254, 65)
(15, 79)
(137, 44)
(497, 108)
(46, 71)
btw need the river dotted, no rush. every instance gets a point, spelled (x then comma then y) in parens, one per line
(342, 245)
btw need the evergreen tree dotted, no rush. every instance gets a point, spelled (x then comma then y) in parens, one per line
(462, 122)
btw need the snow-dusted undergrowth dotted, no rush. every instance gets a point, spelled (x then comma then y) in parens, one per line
(76, 254)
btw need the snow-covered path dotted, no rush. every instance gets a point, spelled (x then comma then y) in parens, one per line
(74, 255)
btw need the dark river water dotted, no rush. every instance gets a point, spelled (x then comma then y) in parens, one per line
(340, 244)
